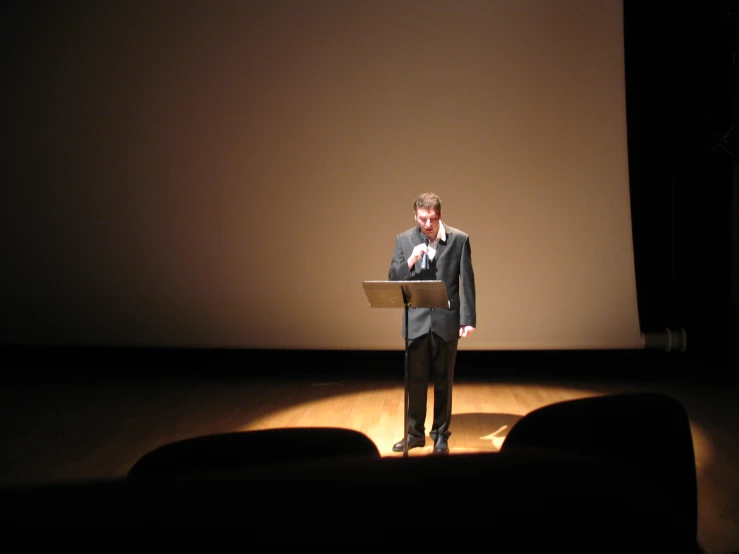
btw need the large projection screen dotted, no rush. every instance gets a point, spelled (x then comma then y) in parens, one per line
(225, 174)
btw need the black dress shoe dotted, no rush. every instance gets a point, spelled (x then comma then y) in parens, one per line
(413, 442)
(441, 446)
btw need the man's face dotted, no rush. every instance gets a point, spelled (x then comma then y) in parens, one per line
(428, 221)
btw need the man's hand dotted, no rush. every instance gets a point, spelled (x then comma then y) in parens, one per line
(466, 331)
(417, 254)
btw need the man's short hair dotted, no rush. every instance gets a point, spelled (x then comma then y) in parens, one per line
(427, 201)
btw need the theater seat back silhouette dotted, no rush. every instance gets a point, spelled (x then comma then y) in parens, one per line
(648, 432)
(230, 453)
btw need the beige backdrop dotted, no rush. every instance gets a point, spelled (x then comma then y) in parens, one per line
(226, 174)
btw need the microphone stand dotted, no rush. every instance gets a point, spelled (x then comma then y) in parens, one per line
(409, 294)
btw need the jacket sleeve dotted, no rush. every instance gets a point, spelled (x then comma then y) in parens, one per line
(468, 313)
(399, 266)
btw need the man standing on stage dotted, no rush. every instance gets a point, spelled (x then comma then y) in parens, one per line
(434, 251)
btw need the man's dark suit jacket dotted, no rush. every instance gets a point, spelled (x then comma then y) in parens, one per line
(451, 264)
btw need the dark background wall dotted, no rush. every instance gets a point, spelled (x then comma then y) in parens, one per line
(681, 103)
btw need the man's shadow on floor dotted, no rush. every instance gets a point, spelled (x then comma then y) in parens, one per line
(483, 431)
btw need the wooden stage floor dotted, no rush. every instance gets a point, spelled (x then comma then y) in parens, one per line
(60, 429)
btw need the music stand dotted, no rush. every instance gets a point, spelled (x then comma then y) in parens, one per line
(406, 294)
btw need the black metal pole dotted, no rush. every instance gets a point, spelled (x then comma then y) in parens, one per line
(405, 388)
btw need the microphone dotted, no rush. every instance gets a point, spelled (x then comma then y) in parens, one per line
(425, 258)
